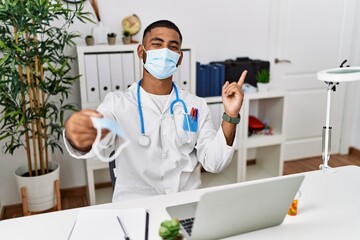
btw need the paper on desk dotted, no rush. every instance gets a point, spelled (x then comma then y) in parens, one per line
(103, 224)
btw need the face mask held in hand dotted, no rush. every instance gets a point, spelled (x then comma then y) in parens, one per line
(161, 63)
(103, 123)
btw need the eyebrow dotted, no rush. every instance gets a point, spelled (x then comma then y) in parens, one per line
(162, 40)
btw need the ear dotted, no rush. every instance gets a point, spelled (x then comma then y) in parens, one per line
(141, 53)
(180, 59)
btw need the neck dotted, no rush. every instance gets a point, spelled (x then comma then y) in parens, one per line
(156, 86)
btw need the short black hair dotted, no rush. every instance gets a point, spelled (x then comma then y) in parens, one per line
(162, 23)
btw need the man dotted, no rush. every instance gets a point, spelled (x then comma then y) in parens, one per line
(165, 147)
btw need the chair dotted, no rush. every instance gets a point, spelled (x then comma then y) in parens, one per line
(112, 167)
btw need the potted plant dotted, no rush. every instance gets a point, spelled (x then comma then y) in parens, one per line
(126, 37)
(263, 78)
(34, 84)
(89, 40)
(111, 38)
(170, 230)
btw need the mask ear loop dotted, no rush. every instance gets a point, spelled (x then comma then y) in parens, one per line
(100, 123)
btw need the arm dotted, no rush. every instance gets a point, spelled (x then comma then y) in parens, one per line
(232, 97)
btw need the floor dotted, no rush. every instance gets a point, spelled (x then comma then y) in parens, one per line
(77, 197)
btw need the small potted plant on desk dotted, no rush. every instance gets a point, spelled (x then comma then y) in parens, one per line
(169, 230)
(111, 38)
(263, 78)
(126, 37)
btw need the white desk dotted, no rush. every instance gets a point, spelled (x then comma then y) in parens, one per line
(328, 209)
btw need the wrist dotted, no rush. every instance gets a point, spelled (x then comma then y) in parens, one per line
(231, 119)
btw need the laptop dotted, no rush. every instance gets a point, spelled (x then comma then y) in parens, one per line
(237, 208)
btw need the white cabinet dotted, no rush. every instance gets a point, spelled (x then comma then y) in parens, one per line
(265, 150)
(105, 68)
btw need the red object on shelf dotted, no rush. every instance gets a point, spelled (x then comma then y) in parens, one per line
(255, 124)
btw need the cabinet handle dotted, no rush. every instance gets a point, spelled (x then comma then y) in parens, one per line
(282, 61)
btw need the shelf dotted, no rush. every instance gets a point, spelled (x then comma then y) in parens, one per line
(265, 95)
(216, 99)
(263, 140)
(255, 172)
(228, 176)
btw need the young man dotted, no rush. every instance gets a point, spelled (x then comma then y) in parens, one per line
(165, 147)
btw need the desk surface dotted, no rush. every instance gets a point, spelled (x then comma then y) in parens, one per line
(329, 208)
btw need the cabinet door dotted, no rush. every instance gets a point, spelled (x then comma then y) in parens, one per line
(310, 36)
(91, 75)
(128, 70)
(116, 64)
(103, 65)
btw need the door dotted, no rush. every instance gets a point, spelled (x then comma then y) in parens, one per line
(306, 37)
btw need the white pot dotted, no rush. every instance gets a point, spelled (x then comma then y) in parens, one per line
(40, 190)
(263, 87)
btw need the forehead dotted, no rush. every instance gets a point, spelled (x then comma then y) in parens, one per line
(163, 33)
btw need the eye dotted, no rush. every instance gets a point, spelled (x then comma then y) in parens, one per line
(174, 48)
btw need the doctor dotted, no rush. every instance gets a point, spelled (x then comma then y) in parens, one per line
(170, 130)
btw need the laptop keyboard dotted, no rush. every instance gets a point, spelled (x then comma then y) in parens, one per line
(187, 224)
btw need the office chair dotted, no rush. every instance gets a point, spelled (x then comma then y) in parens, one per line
(112, 167)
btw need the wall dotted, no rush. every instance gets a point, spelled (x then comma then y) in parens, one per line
(217, 30)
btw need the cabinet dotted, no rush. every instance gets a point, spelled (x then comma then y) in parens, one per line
(266, 150)
(263, 151)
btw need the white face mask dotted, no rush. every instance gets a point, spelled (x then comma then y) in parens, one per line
(161, 63)
(100, 123)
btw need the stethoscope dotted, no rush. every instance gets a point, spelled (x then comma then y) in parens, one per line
(144, 140)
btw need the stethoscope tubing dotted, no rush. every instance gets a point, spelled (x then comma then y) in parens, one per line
(177, 99)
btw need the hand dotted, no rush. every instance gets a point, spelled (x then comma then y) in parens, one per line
(79, 129)
(232, 96)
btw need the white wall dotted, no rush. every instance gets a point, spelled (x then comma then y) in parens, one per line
(217, 30)
(351, 126)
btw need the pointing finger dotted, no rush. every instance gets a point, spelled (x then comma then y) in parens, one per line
(242, 78)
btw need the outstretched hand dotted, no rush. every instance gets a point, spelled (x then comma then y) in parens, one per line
(232, 96)
(79, 129)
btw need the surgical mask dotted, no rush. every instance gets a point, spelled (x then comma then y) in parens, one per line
(161, 63)
(103, 123)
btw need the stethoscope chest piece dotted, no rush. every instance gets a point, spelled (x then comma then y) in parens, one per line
(144, 140)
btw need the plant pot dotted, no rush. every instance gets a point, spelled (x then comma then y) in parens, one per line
(126, 40)
(89, 41)
(111, 40)
(263, 87)
(40, 190)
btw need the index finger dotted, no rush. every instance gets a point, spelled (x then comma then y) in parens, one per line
(242, 78)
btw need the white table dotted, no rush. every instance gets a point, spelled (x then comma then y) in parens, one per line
(329, 208)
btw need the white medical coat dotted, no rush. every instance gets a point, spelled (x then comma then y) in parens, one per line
(169, 163)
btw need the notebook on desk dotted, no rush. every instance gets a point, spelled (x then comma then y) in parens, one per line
(104, 224)
(238, 209)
